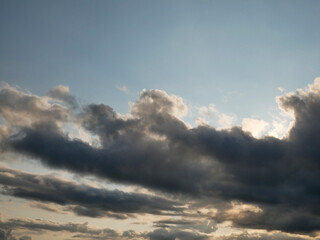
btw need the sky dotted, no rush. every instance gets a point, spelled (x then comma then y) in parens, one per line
(175, 120)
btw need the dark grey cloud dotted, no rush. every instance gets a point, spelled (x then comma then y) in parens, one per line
(84, 231)
(25, 238)
(155, 149)
(7, 235)
(82, 199)
(280, 217)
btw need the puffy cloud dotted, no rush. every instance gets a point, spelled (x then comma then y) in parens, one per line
(255, 126)
(315, 87)
(20, 109)
(210, 113)
(281, 126)
(159, 102)
(155, 149)
(62, 93)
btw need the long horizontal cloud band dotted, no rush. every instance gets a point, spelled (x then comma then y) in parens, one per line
(83, 199)
(155, 149)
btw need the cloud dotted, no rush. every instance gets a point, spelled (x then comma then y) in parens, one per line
(4, 132)
(123, 89)
(25, 238)
(40, 225)
(84, 231)
(210, 113)
(163, 234)
(21, 109)
(44, 206)
(82, 199)
(155, 149)
(203, 226)
(281, 126)
(261, 236)
(6, 235)
(160, 103)
(62, 93)
(255, 126)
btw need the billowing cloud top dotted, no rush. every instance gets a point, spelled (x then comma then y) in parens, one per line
(153, 148)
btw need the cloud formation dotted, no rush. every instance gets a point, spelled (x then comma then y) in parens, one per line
(154, 148)
(255, 126)
(23, 109)
(163, 234)
(40, 225)
(82, 199)
(62, 93)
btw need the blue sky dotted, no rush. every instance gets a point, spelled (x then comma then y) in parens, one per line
(229, 53)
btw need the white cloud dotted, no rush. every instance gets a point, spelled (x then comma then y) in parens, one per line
(210, 113)
(281, 126)
(255, 126)
(225, 121)
(123, 89)
(201, 122)
(315, 87)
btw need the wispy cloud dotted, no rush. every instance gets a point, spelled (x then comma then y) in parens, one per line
(123, 89)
